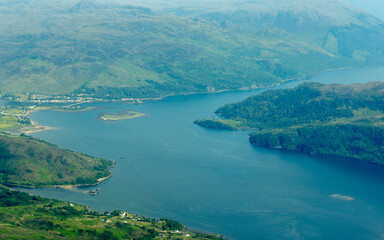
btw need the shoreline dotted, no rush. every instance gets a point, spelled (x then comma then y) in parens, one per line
(100, 180)
(35, 128)
(30, 129)
(283, 81)
(161, 97)
(192, 230)
(68, 187)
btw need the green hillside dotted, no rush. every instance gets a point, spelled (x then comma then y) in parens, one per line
(31, 217)
(336, 120)
(112, 50)
(310, 103)
(27, 161)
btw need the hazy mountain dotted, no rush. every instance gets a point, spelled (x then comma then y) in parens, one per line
(334, 10)
(375, 7)
(323, 13)
(126, 49)
(87, 5)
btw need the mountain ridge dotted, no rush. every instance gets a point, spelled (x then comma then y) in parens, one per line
(115, 50)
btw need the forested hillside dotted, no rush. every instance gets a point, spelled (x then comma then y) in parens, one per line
(27, 161)
(314, 118)
(355, 141)
(310, 103)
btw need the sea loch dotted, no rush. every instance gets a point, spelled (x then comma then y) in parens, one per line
(216, 181)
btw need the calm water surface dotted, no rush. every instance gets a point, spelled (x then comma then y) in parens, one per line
(215, 181)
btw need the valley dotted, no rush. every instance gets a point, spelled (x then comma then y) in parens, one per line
(217, 180)
(121, 104)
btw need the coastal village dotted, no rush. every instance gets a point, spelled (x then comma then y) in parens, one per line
(63, 99)
(14, 114)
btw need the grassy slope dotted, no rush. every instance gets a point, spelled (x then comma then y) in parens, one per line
(26, 161)
(130, 51)
(29, 217)
(337, 120)
(56, 48)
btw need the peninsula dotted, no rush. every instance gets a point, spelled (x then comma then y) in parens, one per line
(334, 120)
(31, 162)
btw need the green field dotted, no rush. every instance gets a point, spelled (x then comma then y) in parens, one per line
(10, 123)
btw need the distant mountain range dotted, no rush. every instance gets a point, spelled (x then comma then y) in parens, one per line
(115, 50)
(375, 7)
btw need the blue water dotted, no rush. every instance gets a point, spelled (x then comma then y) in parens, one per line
(215, 181)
